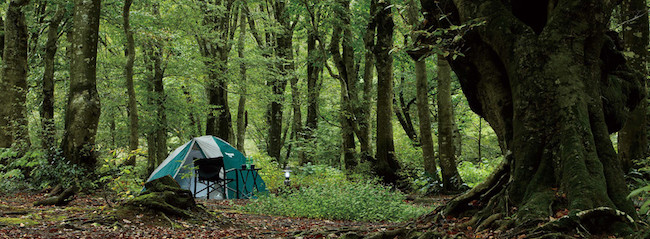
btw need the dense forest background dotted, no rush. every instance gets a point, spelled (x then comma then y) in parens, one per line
(354, 91)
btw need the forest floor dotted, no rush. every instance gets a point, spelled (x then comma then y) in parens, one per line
(89, 216)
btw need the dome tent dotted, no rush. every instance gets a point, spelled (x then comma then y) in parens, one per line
(180, 166)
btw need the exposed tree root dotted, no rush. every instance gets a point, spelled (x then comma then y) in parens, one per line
(165, 195)
(59, 199)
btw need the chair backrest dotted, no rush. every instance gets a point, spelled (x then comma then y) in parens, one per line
(209, 168)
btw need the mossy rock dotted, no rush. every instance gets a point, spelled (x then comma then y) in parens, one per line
(165, 195)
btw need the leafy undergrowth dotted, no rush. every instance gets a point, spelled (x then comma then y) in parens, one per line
(359, 201)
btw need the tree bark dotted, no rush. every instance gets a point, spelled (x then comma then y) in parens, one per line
(219, 19)
(553, 89)
(451, 180)
(47, 108)
(632, 139)
(285, 67)
(157, 133)
(344, 61)
(314, 59)
(242, 119)
(364, 118)
(13, 119)
(132, 108)
(83, 109)
(386, 166)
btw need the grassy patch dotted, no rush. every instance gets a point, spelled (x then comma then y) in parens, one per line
(364, 201)
(17, 221)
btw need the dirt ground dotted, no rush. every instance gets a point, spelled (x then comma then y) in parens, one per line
(90, 216)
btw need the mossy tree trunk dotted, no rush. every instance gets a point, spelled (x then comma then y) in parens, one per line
(156, 98)
(13, 119)
(386, 165)
(219, 22)
(47, 108)
(132, 107)
(451, 180)
(553, 90)
(242, 114)
(632, 139)
(83, 109)
(348, 71)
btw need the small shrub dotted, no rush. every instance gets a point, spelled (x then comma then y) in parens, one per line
(123, 181)
(59, 171)
(473, 174)
(363, 201)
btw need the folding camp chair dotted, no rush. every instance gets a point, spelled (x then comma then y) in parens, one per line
(211, 173)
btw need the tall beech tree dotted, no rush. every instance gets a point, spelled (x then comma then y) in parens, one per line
(13, 119)
(451, 180)
(215, 43)
(83, 108)
(156, 133)
(422, 101)
(47, 108)
(386, 165)
(242, 115)
(347, 76)
(553, 85)
(632, 139)
(285, 66)
(131, 107)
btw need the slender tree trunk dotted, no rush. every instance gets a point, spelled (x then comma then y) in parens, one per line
(2, 36)
(285, 67)
(450, 178)
(13, 121)
(83, 109)
(426, 139)
(47, 108)
(132, 108)
(386, 165)
(157, 135)
(402, 111)
(364, 119)
(632, 139)
(195, 122)
(422, 101)
(314, 60)
(242, 120)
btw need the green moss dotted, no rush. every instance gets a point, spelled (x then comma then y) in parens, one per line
(17, 221)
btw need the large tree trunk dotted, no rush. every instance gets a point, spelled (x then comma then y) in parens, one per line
(632, 139)
(553, 90)
(342, 38)
(451, 180)
(314, 60)
(132, 108)
(13, 119)
(284, 67)
(219, 20)
(83, 109)
(47, 108)
(386, 166)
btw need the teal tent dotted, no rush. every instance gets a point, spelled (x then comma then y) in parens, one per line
(180, 166)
